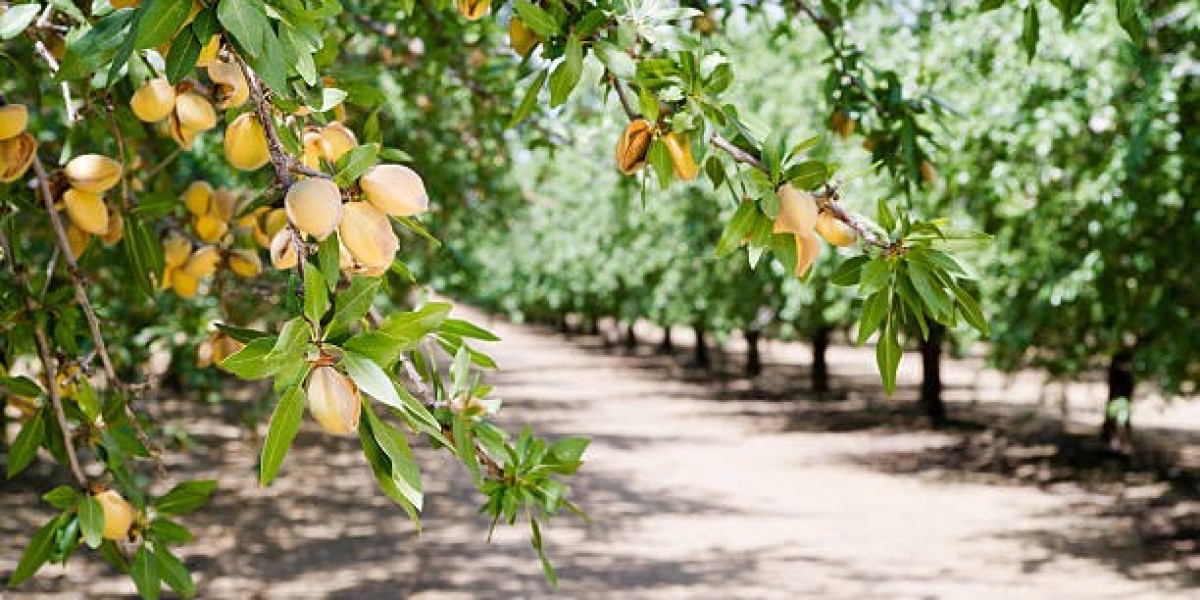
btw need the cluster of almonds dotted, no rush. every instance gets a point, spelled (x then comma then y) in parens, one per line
(635, 141)
(187, 112)
(800, 215)
(214, 223)
(368, 242)
(17, 147)
(89, 176)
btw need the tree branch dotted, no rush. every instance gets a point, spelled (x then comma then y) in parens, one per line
(75, 274)
(621, 95)
(280, 160)
(49, 367)
(828, 197)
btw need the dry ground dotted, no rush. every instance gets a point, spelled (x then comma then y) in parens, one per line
(706, 489)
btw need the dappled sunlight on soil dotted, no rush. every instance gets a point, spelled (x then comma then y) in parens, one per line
(698, 488)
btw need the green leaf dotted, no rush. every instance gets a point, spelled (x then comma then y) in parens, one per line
(615, 59)
(21, 386)
(62, 497)
(648, 104)
(381, 467)
(414, 325)
(874, 311)
(166, 531)
(380, 347)
(242, 334)
(990, 5)
(660, 158)
(253, 361)
(292, 341)
(184, 52)
(1129, 16)
(970, 310)
(144, 572)
(354, 303)
(737, 229)
(316, 294)
(529, 100)
(540, 21)
(850, 271)
(285, 422)
(376, 383)
(172, 571)
(566, 75)
(354, 163)
(1030, 30)
(404, 471)
(185, 497)
(328, 252)
(36, 553)
(247, 22)
(91, 521)
(205, 25)
(98, 46)
(144, 253)
(536, 540)
(25, 447)
(160, 19)
(887, 357)
(14, 20)
(931, 292)
(372, 379)
(464, 443)
(569, 449)
(463, 328)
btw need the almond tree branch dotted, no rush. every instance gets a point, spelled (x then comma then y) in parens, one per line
(280, 160)
(78, 281)
(828, 198)
(49, 367)
(127, 200)
(72, 116)
(494, 469)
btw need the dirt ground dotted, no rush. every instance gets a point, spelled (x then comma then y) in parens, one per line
(704, 488)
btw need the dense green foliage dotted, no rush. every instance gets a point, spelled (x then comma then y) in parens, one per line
(511, 114)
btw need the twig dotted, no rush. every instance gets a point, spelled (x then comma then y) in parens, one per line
(829, 201)
(48, 364)
(280, 160)
(162, 164)
(738, 155)
(78, 282)
(300, 168)
(620, 89)
(126, 193)
(72, 116)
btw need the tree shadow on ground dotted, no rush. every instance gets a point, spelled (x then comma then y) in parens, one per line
(1144, 507)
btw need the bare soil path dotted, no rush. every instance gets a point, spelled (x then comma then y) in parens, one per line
(691, 499)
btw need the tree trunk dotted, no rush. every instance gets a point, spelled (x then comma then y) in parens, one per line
(590, 327)
(753, 358)
(630, 337)
(666, 346)
(1118, 432)
(4, 424)
(931, 380)
(701, 351)
(820, 369)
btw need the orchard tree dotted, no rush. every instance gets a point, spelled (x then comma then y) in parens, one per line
(1093, 203)
(157, 156)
